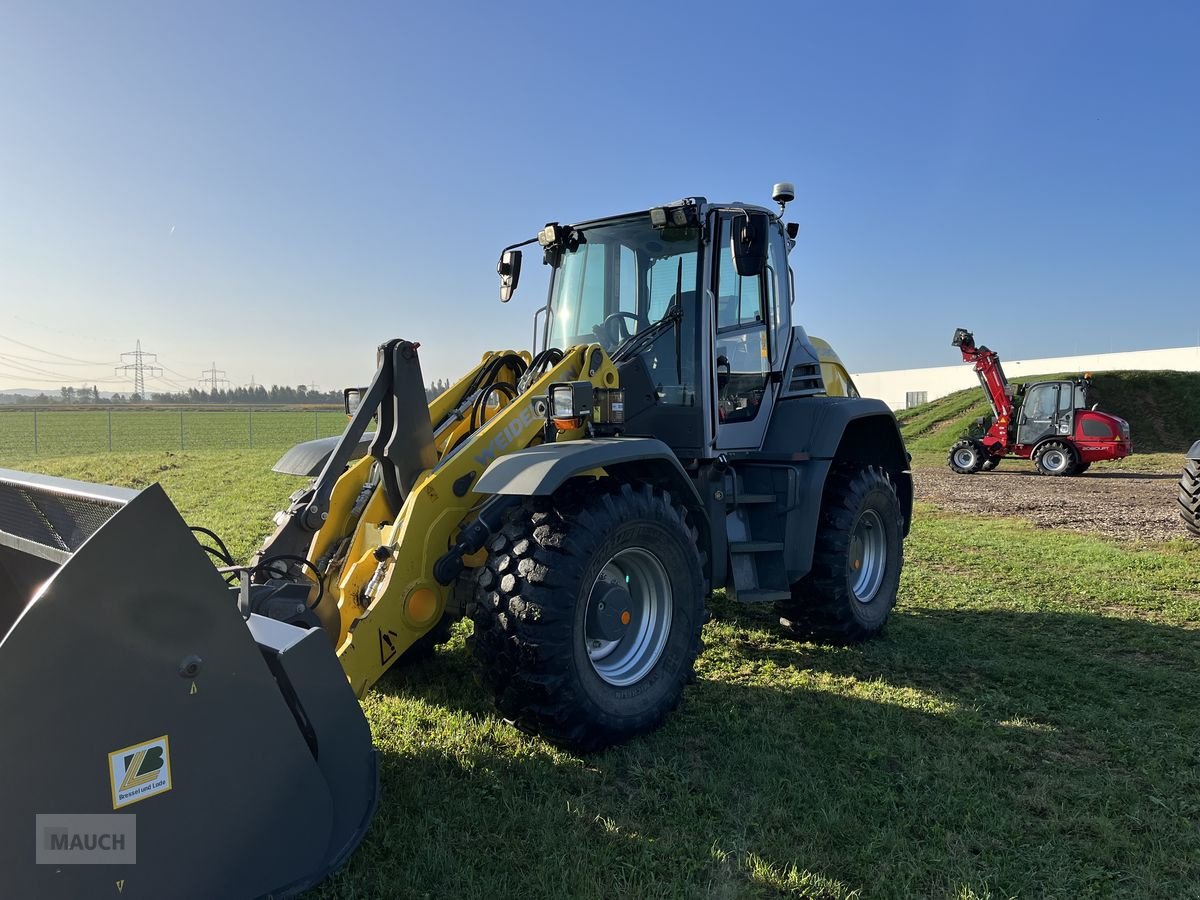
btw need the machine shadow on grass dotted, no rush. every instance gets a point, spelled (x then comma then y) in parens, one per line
(988, 750)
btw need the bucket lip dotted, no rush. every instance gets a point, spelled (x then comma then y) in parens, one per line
(118, 496)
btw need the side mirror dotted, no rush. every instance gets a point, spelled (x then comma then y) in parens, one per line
(509, 269)
(749, 243)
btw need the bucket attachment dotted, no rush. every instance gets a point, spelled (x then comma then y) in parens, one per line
(232, 750)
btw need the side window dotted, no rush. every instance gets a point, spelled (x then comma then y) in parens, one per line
(742, 365)
(1066, 400)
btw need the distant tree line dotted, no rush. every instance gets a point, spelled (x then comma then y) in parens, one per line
(275, 394)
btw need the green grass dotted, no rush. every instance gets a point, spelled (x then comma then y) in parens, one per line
(1026, 727)
(1162, 408)
(74, 432)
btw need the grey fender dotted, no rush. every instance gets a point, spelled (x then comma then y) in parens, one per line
(540, 471)
(309, 458)
(820, 432)
(1194, 453)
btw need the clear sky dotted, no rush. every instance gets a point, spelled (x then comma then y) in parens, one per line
(278, 187)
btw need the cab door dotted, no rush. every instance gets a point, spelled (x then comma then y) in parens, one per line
(747, 341)
(1047, 410)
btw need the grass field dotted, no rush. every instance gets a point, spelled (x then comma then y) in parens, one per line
(1026, 727)
(24, 433)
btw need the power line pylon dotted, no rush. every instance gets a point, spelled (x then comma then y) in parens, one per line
(140, 363)
(213, 378)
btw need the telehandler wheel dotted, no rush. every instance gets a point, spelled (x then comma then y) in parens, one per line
(588, 613)
(1189, 496)
(990, 463)
(857, 558)
(1054, 458)
(966, 457)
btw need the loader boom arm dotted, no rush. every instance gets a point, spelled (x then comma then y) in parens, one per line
(377, 547)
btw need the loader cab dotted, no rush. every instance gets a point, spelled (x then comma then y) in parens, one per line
(1048, 409)
(698, 346)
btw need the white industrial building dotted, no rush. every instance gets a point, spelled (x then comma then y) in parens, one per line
(902, 388)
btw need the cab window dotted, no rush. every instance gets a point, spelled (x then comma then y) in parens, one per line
(742, 349)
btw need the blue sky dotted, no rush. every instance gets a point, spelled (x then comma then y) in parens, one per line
(279, 187)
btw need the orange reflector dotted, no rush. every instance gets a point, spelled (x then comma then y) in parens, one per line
(421, 605)
(625, 617)
(567, 424)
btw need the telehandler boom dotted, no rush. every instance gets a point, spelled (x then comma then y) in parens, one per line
(669, 433)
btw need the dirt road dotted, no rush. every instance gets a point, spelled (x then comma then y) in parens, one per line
(1125, 506)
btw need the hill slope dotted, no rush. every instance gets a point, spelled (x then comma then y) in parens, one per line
(1162, 408)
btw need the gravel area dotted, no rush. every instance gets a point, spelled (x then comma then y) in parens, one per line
(1125, 506)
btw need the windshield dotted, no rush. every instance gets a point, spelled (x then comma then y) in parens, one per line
(621, 279)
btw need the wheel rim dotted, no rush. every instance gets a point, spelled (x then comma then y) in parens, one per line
(868, 556)
(964, 457)
(628, 617)
(1054, 460)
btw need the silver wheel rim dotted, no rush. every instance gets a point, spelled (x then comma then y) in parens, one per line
(964, 457)
(1054, 460)
(868, 556)
(629, 658)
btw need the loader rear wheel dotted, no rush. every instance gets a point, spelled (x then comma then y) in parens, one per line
(859, 552)
(966, 457)
(1189, 496)
(1054, 458)
(588, 613)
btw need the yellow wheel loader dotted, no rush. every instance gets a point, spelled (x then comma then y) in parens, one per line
(668, 433)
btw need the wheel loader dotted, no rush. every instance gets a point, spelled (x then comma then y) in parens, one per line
(667, 434)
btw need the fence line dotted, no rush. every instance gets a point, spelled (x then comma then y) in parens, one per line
(42, 432)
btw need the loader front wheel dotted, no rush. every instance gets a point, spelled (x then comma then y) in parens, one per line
(588, 613)
(851, 589)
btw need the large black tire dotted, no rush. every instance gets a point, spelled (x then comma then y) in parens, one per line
(857, 559)
(966, 457)
(990, 463)
(539, 613)
(1189, 496)
(1055, 458)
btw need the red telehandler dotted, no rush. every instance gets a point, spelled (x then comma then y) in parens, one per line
(1048, 421)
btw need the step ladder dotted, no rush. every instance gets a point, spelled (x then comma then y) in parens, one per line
(755, 525)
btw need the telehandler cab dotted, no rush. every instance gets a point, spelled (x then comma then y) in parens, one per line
(577, 502)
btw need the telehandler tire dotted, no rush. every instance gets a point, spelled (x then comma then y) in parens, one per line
(859, 552)
(588, 613)
(966, 457)
(1055, 458)
(1189, 496)
(990, 463)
